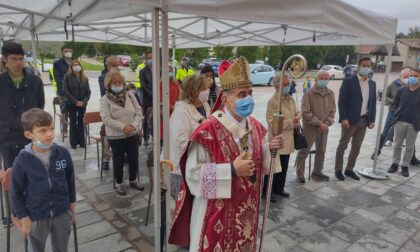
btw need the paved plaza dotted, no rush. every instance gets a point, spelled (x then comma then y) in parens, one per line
(365, 215)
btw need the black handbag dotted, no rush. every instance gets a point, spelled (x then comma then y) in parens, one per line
(299, 139)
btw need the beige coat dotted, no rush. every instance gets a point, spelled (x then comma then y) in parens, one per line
(288, 110)
(116, 117)
(318, 106)
(184, 120)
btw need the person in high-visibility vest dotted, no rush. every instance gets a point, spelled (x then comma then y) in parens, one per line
(138, 83)
(139, 67)
(52, 78)
(185, 70)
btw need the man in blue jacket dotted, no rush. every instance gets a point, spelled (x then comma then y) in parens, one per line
(357, 109)
(43, 185)
(61, 67)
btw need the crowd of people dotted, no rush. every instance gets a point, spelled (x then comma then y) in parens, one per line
(219, 151)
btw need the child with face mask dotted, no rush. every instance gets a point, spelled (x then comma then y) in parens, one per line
(43, 185)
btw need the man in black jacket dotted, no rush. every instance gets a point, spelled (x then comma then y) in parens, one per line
(146, 80)
(407, 122)
(61, 67)
(19, 92)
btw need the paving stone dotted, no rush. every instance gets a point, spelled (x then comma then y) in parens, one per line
(411, 245)
(109, 214)
(356, 198)
(363, 219)
(143, 246)
(131, 233)
(280, 214)
(397, 198)
(391, 233)
(375, 188)
(94, 231)
(101, 206)
(371, 243)
(406, 220)
(87, 218)
(416, 237)
(308, 203)
(326, 215)
(324, 242)
(119, 224)
(381, 207)
(83, 206)
(112, 243)
(327, 192)
(279, 241)
(407, 190)
(346, 232)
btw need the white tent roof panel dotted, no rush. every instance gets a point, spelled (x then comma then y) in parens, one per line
(201, 23)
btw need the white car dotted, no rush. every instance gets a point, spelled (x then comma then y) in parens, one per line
(261, 74)
(336, 72)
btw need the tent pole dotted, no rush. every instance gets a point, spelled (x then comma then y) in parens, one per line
(173, 55)
(33, 44)
(165, 115)
(373, 173)
(156, 125)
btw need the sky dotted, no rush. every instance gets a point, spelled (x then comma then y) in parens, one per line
(407, 11)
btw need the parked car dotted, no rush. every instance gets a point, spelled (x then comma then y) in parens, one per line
(262, 74)
(350, 70)
(125, 60)
(213, 62)
(335, 72)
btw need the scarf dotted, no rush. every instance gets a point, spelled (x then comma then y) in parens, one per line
(118, 98)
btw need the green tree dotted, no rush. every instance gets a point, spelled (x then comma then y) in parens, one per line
(251, 53)
(91, 50)
(223, 52)
(414, 32)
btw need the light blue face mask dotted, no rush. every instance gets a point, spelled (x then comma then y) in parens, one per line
(171, 75)
(117, 89)
(322, 83)
(286, 90)
(42, 145)
(364, 71)
(412, 81)
(244, 106)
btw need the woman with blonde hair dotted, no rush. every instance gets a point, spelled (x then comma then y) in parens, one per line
(291, 121)
(77, 92)
(189, 113)
(121, 115)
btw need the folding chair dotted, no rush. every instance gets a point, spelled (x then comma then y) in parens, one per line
(56, 102)
(89, 118)
(6, 177)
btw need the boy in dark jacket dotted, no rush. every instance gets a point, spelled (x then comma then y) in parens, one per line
(43, 185)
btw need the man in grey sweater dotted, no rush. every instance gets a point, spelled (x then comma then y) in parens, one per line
(391, 92)
(407, 122)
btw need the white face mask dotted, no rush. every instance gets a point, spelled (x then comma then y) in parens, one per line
(68, 55)
(77, 69)
(404, 81)
(204, 95)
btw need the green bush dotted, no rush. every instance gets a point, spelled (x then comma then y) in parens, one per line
(135, 61)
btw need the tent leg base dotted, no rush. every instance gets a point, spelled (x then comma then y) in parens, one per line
(369, 173)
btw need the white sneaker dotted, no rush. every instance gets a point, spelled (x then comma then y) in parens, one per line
(388, 143)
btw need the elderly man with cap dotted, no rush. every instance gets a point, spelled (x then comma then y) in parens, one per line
(318, 111)
(217, 207)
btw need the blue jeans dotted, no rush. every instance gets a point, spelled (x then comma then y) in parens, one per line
(387, 128)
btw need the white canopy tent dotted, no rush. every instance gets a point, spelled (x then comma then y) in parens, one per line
(195, 23)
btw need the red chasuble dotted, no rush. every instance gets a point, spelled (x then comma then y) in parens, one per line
(229, 224)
